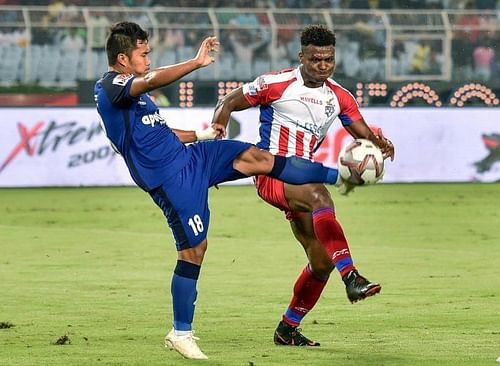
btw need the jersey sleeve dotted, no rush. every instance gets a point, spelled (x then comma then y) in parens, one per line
(118, 90)
(349, 108)
(264, 90)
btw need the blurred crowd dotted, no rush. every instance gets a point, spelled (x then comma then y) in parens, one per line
(278, 4)
(249, 47)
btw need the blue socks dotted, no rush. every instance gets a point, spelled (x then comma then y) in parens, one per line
(296, 170)
(184, 294)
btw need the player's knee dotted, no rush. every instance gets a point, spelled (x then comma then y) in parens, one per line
(194, 255)
(320, 197)
(254, 161)
(319, 260)
(322, 269)
(261, 157)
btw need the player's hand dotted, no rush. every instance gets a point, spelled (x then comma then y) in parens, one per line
(203, 57)
(206, 134)
(385, 145)
(220, 130)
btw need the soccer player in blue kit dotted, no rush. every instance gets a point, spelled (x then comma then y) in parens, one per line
(176, 176)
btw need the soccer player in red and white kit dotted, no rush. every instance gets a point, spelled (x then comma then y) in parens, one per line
(297, 106)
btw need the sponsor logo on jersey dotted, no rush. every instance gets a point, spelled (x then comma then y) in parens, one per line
(309, 126)
(121, 79)
(311, 100)
(151, 119)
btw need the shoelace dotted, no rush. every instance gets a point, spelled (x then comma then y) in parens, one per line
(301, 339)
(297, 332)
(193, 337)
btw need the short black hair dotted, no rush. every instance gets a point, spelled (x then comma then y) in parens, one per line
(317, 35)
(123, 38)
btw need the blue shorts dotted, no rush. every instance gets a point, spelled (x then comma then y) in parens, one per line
(184, 199)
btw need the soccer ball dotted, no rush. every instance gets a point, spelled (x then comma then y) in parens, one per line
(361, 162)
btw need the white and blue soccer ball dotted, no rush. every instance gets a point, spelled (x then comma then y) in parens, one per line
(361, 162)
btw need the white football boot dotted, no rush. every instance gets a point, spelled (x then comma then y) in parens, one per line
(185, 345)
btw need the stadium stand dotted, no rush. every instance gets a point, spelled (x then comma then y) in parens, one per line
(58, 44)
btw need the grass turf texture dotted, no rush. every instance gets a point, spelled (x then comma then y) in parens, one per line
(90, 268)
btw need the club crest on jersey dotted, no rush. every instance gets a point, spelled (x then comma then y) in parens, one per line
(329, 108)
(121, 79)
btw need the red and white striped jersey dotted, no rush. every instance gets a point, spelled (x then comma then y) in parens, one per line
(294, 119)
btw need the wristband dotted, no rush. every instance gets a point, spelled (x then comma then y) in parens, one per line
(206, 134)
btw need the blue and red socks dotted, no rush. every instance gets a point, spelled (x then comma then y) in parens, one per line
(306, 293)
(296, 170)
(330, 234)
(308, 287)
(184, 294)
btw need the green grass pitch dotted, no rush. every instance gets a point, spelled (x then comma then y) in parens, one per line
(92, 267)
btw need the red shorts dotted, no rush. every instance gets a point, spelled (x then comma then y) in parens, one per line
(273, 192)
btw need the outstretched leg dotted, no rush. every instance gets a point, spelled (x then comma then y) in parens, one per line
(293, 170)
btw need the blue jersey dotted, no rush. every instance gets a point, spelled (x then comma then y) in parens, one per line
(151, 150)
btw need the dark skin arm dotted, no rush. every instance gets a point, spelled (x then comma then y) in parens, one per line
(359, 129)
(234, 101)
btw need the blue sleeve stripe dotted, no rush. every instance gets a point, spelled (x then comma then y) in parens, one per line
(344, 118)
